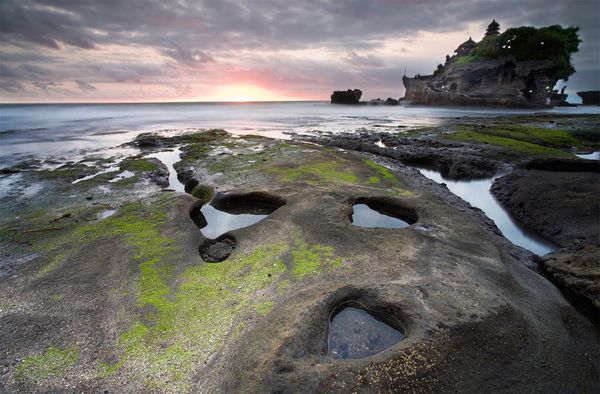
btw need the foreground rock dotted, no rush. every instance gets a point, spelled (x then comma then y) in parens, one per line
(127, 304)
(564, 208)
(561, 206)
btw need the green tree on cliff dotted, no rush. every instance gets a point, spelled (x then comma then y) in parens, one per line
(552, 43)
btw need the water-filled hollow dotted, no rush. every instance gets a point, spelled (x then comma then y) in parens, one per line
(358, 332)
(381, 214)
(228, 212)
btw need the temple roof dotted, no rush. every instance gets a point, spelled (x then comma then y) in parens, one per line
(467, 45)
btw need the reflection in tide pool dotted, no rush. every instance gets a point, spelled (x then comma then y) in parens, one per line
(169, 158)
(354, 333)
(364, 216)
(220, 222)
(477, 193)
(590, 156)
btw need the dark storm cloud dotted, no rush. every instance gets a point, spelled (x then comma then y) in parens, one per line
(189, 58)
(196, 33)
(84, 85)
(230, 24)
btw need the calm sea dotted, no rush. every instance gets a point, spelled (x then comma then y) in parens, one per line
(65, 131)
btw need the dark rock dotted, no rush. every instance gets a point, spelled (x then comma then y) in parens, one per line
(160, 175)
(499, 82)
(576, 271)
(564, 208)
(346, 97)
(564, 165)
(560, 206)
(590, 97)
(190, 185)
(9, 170)
(391, 101)
(147, 140)
(215, 251)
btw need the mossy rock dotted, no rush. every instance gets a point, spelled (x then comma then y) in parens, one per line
(203, 193)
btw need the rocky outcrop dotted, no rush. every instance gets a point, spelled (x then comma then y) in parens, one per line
(563, 207)
(346, 97)
(590, 97)
(501, 82)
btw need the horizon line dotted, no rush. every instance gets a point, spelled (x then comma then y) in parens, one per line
(157, 102)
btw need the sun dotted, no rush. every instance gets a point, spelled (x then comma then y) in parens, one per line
(242, 93)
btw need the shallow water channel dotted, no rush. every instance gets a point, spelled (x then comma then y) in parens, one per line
(478, 194)
(590, 156)
(169, 158)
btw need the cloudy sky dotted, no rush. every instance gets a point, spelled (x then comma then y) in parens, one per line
(213, 50)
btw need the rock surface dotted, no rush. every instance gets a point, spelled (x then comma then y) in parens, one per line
(501, 82)
(561, 206)
(346, 97)
(591, 97)
(126, 304)
(564, 208)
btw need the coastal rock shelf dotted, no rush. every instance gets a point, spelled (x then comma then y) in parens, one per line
(357, 332)
(440, 306)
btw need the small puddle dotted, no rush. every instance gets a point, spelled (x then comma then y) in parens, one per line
(106, 213)
(358, 333)
(221, 222)
(105, 171)
(123, 175)
(478, 194)
(364, 216)
(590, 156)
(169, 158)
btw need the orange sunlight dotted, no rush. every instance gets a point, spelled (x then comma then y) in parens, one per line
(242, 93)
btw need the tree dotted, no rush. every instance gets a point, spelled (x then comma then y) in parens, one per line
(552, 43)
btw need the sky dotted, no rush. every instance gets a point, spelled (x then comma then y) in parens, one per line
(240, 50)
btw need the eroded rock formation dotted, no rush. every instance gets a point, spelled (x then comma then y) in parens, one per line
(491, 73)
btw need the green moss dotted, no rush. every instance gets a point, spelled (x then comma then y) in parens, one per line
(373, 179)
(316, 173)
(186, 328)
(309, 260)
(52, 264)
(264, 307)
(137, 164)
(467, 59)
(382, 171)
(56, 297)
(203, 192)
(507, 143)
(52, 363)
(540, 136)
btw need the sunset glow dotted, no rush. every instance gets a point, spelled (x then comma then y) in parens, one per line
(243, 93)
(88, 51)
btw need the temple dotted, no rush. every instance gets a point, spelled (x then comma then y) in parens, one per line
(467, 78)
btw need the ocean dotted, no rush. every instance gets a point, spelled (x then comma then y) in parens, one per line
(62, 132)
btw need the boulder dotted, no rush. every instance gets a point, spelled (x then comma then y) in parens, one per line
(346, 97)
(590, 97)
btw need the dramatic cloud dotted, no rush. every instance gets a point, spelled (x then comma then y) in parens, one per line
(89, 50)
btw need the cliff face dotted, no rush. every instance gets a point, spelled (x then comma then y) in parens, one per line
(503, 82)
